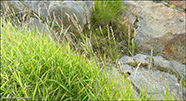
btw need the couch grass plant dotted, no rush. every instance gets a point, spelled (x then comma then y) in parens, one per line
(33, 66)
(113, 35)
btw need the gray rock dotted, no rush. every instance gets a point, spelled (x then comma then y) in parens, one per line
(180, 69)
(36, 25)
(159, 27)
(130, 14)
(162, 72)
(154, 83)
(15, 6)
(126, 69)
(175, 48)
(112, 73)
(126, 60)
(88, 6)
(79, 10)
(176, 68)
(159, 61)
(67, 12)
(144, 59)
(119, 80)
(40, 7)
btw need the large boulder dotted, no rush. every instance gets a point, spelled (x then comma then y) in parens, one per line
(160, 28)
(36, 25)
(153, 78)
(38, 6)
(24, 7)
(88, 6)
(68, 13)
(47, 11)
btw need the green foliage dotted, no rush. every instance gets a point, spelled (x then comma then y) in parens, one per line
(39, 68)
(111, 34)
(106, 12)
(172, 6)
(184, 9)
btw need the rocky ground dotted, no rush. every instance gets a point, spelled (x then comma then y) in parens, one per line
(159, 29)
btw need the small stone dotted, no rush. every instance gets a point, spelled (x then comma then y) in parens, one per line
(126, 60)
(161, 62)
(126, 69)
(144, 59)
(180, 69)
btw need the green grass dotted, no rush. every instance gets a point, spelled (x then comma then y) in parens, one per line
(34, 65)
(42, 69)
(108, 37)
(107, 18)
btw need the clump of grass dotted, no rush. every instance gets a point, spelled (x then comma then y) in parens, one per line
(113, 37)
(41, 69)
(107, 37)
(106, 12)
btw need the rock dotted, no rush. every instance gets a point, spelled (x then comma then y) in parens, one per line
(126, 60)
(69, 13)
(40, 7)
(130, 14)
(126, 69)
(175, 48)
(161, 73)
(144, 59)
(36, 25)
(119, 80)
(13, 9)
(112, 73)
(154, 82)
(180, 69)
(79, 10)
(158, 26)
(159, 61)
(179, 4)
(88, 6)
(174, 67)
(15, 6)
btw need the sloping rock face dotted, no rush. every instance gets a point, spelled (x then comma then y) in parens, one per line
(160, 28)
(175, 48)
(48, 11)
(154, 78)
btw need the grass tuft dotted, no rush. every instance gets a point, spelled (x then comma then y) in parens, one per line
(41, 69)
